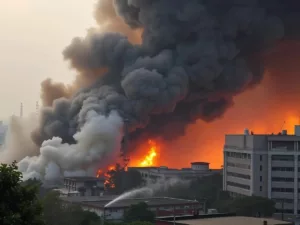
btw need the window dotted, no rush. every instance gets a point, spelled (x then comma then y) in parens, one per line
(280, 200)
(260, 157)
(233, 184)
(238, 175)
(288, 211)
(239, 165)
(283, 169)
(282, 157)
(238, 155)
(283, 190)
(260, 188)
(260, 167)
(282, 179)
(260, 178)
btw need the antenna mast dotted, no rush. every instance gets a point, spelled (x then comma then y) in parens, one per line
(37, 107)
(21, 110)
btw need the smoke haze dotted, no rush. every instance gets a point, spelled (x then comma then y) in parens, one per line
(18, 142)
(163, 65)
(97, 141)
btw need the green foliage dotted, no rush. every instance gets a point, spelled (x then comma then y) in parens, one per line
(138, 212)
(19, 204)
(208, 189)
(56, 213)
(120, 180)
(249, 206)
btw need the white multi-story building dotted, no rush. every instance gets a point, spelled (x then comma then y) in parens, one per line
(266, 166)
(197, 170)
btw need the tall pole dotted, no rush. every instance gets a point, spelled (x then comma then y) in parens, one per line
(125, 144)
(174, 215)
(282, 208)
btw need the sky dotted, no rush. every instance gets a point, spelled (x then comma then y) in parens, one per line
(33, 34)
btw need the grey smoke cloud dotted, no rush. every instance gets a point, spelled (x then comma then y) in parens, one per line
(194, 57)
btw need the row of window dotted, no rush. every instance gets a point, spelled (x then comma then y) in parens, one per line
(283, 179)
(284, 169)
(289, 211)
(283, 157)
(248, 177)
(238, 155)
(288, 190)
(233, 184)
(239, 165)
(280, 200)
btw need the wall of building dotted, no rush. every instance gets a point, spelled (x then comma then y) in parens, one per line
(273, 167)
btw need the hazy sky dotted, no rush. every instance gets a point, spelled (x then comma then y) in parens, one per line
(33, 34)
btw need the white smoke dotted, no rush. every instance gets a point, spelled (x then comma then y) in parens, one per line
(98, 140)
(18, 143)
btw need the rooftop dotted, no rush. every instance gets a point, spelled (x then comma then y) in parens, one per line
(124, 203)
(75, 199)
(232, 220)
(84, 178)
(199, 163)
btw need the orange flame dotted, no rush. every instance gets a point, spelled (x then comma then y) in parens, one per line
(149, 159)
(106, 175)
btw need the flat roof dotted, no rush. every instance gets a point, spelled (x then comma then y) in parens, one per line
(124, 203)
(232, 220)
(84, 178)
(199, 163)
(88, 198)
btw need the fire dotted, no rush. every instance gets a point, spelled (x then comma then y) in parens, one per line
(106, 175)
(149, 159)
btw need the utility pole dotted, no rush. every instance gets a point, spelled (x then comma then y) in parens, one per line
(125, 144)
(282, 209)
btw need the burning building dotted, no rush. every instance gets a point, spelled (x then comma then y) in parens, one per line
(180, 72)
(82, 186)
(197, 170)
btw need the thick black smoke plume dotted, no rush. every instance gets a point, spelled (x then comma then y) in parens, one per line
(195, 56)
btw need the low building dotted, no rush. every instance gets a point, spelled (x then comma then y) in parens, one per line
(220, 219)
(197, 170)
(161, 206)
(85, 186)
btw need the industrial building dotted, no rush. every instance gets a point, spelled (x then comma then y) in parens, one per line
(82, 186)
(3, 131)
(221, 219)
(161, 206)
(197, 169)
(264, 165)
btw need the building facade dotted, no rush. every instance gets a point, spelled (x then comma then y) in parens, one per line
(197, 169)
(83, 186)
(161, 206)
(266, 166)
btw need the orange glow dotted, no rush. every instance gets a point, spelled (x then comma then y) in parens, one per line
(149, 159)
(106, 176)
(270, 107)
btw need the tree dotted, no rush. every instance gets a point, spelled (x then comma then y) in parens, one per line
(253, 206)
(139, 212)
(208, 189)
(120, 180)
(56, 213)
(19, 204)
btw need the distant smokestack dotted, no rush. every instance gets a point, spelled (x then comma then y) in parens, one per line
(21, 110)
(37, 107)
